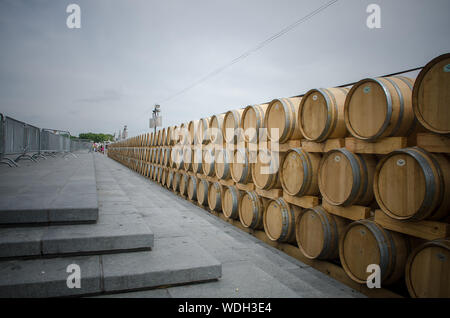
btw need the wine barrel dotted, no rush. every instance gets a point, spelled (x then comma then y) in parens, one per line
(203, 131)
(252, 122)
(317, 233)
(230, 202)
(187, 158)
(162, 155)
(208, 162)
(215, 192)
(428, 270)
(231, 124)
(197, 158)
(183, 135)
(282, 114)
(155, 174)
(380, 107)
(169, 182)
(321, 114)
(265, 169)
(184, 179)
(178, 157)
(150, 172)
(251, 210)
(192, 188)
(299, 172)
(241, 171)
(202, 192)
(215, 126)
(364, 242)
(163, 177)
(222, 165)
(431, 95)
(279, 220)
(192, 129)
(167, 154)
(160, 173)
(176, 182)
(346, 178)
(411, 183)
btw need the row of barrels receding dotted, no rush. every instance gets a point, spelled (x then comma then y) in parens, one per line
(323, 236)
(369, 110)
(408, 184)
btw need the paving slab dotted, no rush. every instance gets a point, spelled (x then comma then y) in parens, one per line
(174, 260)
(49, 191)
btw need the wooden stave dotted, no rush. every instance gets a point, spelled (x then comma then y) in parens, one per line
(184, 183)
(218, 199)
(235, 195)
(217, 137)
(203, 126)
(211, 171)
(192, 188)
(273, 181)
(246, 176)
(260, 112)
(226, 174)
(203, 200)
(236, 116)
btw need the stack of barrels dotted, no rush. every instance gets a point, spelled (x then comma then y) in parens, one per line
(249, 164)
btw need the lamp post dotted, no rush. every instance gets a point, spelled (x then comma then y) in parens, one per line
(156, 111)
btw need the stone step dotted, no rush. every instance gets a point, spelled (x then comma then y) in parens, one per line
(52, 241)
(174, 261)
(55, 190)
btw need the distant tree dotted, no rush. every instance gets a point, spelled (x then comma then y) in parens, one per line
(96, 137)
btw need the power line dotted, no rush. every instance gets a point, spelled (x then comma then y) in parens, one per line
(252, 50)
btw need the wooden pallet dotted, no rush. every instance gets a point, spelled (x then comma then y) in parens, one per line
(380, 147)
(433, 142)
(304, 201)
(330, 144)
(245, 187)
(427, 230)
(272, 194)
(228, 182)
(353, 212)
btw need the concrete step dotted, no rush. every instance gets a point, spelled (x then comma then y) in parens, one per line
(52, 241)
(174, 261)
(55, 190)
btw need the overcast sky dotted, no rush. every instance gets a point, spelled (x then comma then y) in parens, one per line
(129, 55)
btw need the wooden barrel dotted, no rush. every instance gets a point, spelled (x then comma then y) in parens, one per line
(163, 177)
(252, 122)
(167, 154)
(318, 232)
(251, 210)
(411, 183)
(150, 172)
(279, 220)
(364, 242)
(183, 135)
(162, 155)
(202, 192)
(230, 202)
(215, 192)
(431, 95)
(346, 178)
(192, 130)
(208, 162)
(215, 126)
(380, 107)
(231, 124)
(155, 173)
(265, 169)
(192, 188)
(203, 131)
(187, 158)
(197, 158)
(179, 157)
(222, 165)
(160, 174)
(321, 114)
(169, 181)
(299, 172)
(428, 270)
(241, 171)
(184, 179)
(176, 182)
(282, 114)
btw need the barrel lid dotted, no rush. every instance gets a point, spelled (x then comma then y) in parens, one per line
(292, 172)
(273, 220)
(314, 114)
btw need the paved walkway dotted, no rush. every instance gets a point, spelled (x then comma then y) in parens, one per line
(250, 268)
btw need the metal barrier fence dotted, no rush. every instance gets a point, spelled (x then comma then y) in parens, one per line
(29, 142)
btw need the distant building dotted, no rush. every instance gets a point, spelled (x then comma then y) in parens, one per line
(125, 132)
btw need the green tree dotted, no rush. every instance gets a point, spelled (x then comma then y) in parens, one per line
(96, 137)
